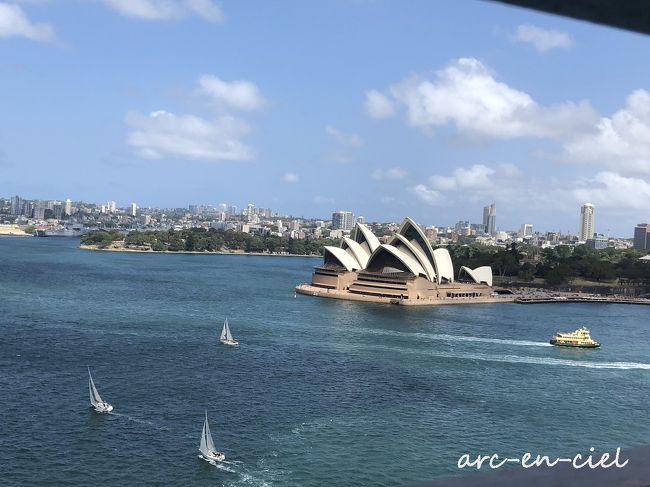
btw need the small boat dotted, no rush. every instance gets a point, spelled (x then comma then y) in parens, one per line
(577, 339)
(226, 337)
(207, 446)
(96, 400)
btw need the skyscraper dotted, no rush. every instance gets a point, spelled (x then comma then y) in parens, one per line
(490, 218)
(68, 207)
(134, 209)
(526, 230)
(586, 222)
(16, 205)
(642, 236)
(342, 220)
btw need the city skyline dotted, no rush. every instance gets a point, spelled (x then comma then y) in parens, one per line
(372, 110)
(341, 220)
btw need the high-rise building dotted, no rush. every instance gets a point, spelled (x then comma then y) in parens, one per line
(58, 210)
(526, 230)
(586, 222)
(39, 210)
(134, 209)
(111, 206)
(16, 205)
(490, 218)
(342, 220)
(642, 236)
(68, 207)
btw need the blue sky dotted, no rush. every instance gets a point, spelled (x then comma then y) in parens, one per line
(384, 108)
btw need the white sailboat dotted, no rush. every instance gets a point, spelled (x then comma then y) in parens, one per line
(207, 446)
(226, 337)
(96, 400)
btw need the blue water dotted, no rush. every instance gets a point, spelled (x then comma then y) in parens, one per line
(320, 392)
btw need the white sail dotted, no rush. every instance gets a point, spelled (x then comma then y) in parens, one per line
(207, 445)
(95, 398)
(225, 331)
(228, 334)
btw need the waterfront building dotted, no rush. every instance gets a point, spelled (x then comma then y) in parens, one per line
(342, 220)
(586, 222)
(490, 218)
(526, 230)
(642, 236)
(404, 270)
(68, 207)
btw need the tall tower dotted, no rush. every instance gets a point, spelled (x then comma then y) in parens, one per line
(342, 220)
(586, 222)
(490, 218)
(68, 207)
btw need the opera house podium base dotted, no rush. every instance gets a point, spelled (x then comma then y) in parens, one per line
(405, 271)
(458, 295)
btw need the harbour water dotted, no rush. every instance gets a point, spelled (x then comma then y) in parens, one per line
(320, 392)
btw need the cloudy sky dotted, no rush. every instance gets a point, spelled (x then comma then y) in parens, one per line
(385, 108)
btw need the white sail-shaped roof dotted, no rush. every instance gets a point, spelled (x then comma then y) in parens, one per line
(364, 237)
(414, 234)
(443, 265)
(417, 252)
(407, 259)
(358, 252)
(478, 275)
(342, 257)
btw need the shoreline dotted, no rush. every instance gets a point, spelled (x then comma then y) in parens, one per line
(193, 252)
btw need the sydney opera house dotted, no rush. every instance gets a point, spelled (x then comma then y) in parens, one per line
(404, 271)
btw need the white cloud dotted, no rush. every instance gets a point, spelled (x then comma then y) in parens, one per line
(290, 178)
(467, 95)
(378, 105)
(610, 190)
(480, 182)
(429, 196)
(162, 134)
(240, 95)
(443, 183)
(392, 174)
(206, 9)
(166, 9)
(350, 140)
(543, 40)
(477, 177)
(621, 142)
(14, 23)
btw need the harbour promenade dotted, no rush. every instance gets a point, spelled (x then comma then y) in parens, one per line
(582, 299)
(520, 296)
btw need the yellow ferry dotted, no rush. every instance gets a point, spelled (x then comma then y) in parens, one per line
(579, 339)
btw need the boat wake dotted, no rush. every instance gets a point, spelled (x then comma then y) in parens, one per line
(462, 338)
(224, 465)
(517, 359)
